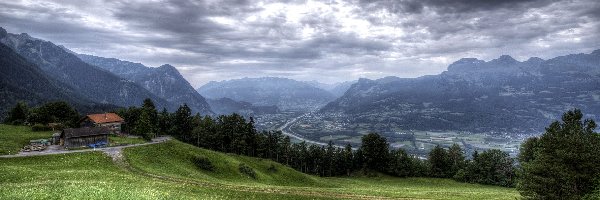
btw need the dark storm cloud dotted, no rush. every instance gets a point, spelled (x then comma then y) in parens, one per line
(191, 29)
(325, 40)
(174, 16)
(454, 6)
(52, 23)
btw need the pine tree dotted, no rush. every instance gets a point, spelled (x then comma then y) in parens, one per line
(164, 122)
(147, 124)
(457, 159)
(375, 151)
(348, 158)
(439, 162)
(182, 123)
(328, 159)
(400, 164)
(563, 162)
(145, 127)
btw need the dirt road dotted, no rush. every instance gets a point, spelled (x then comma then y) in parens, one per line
(111, 151)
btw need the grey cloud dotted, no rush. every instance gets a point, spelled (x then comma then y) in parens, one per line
(183, 33)
(455, 6)
(348, 44)
(179, 17)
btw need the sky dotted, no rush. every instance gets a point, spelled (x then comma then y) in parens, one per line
(328, 41)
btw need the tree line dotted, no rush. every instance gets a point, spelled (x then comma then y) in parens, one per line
(39, 117)
(561, 163)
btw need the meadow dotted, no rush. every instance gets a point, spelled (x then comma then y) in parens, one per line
(13, 138)
(166, 171)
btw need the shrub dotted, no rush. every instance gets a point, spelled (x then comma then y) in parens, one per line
(272, 168)
(203, 163)
(245, 169)
(17, 122)
(40, 127)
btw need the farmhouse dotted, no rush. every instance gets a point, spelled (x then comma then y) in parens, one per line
(110, 120)
(78, 137)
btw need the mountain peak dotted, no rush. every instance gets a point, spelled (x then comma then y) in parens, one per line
(596, 52)
(25, 36)
(464, 62)
(167, 66)
(505, 59)
(168, 69)
(3, 32)
(468, 61)
(364, 80)
(535, 60)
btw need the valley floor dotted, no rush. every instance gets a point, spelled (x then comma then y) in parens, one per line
(165, 171)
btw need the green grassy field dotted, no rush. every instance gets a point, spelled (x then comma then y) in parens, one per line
(13, 138)
(166, 171)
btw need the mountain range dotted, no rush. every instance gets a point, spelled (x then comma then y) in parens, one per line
(501, 95)
(38, 71)
(87, 80)
(286, 94)
(164, 81)
(21, 80)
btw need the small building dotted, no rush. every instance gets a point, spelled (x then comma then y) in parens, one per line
(79, 137)
(110, 120)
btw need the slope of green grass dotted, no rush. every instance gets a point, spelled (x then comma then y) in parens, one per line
(13, 138)
(93, 175)
(173, 159)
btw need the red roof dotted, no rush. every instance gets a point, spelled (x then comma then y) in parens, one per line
(105, 118)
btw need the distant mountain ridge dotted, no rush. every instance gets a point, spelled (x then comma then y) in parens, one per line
(91, 82)
(21, 80)
(502, 95)
(337, 89)
(286, 94)
(164, 81)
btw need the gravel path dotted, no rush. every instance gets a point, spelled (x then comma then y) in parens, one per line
(114, 152)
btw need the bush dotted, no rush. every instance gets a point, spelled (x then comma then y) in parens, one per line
(203, 163)
(272, 168)
(245, 169)
(40, 127)
(17, 122)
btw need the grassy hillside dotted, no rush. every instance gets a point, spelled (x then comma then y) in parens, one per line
(166, 171)
(173, 159)
(13, 138)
